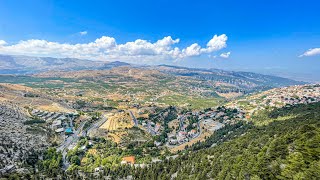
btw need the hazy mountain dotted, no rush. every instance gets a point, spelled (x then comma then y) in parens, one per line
(232, 80)
(10, 64)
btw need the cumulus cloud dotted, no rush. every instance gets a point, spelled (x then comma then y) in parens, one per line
(311, 52)
(2, 42)
(216, 43)
(82, 33)
(106, 48)
(225, 55)
(193, 50)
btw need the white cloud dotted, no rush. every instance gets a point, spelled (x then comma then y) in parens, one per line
(193, 50)
(2, 42)
(311, 52)
(216, 43)
(82, 33)
(106, 48)
(225, 55)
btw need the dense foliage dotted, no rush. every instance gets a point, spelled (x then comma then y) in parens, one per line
(51, 163)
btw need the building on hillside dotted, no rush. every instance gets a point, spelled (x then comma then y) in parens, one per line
(98, 169)
(157, 127)
(156, 143)
(128, 160)
(173, 141)
(68, 131)
(192, 133)
(59, 130)
(62, 118)
(56, 124)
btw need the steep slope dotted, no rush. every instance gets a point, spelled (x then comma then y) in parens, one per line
(20, 144)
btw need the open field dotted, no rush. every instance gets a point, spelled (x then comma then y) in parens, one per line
(118, 121)
(190, 101)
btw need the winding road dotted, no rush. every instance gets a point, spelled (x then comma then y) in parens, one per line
(73, 139)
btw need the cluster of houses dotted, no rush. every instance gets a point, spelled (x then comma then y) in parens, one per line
(184, 134)
(60, 122)
(182, 137)
(286, 96)
(295, 95)
(152, 128)
(212, 119)
(223, 115)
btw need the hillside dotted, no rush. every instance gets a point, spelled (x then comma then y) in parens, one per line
(159, 117)
(280, 150)
(277, 98)
(231, 81)
(166, 141)
(21, 140)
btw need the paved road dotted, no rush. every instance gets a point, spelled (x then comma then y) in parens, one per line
(73, 139)
(96, 124)
(68, 142)
(181, 120)
(150, 130)
(134, 119)
(200, 130)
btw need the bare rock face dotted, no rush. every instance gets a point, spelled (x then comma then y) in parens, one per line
(20, 144)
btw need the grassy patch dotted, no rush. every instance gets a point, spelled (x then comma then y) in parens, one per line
(192, 102)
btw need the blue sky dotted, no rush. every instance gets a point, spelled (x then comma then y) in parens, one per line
(265, 36)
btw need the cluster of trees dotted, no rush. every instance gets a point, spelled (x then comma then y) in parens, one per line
(51, 165)
(192, 120)
(226, 133)
(108, 154)
(34, 121)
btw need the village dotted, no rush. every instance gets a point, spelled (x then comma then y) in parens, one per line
(278, 98)
(192, 124)
(143, 131)
(60, 122)
(188, 125)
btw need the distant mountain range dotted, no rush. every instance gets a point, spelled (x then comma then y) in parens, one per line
(231, 80)
(243, 81)
(10, 64)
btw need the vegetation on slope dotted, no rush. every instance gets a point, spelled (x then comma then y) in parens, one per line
(287, 149)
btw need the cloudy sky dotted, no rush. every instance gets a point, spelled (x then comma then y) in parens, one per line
(269, 36)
